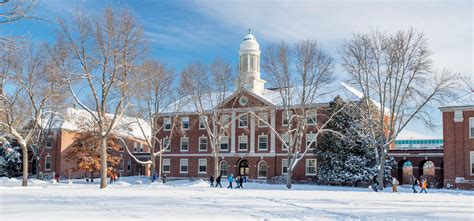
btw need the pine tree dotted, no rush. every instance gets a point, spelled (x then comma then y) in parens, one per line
(10, 158)
(348, 159)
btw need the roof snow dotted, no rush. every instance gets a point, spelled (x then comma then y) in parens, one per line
(80, 120)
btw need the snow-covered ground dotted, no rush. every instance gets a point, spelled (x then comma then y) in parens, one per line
(194, 200)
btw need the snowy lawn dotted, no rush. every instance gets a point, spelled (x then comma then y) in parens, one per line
(194, 200)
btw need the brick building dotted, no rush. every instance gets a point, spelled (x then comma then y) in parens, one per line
(458, 136)
(249, 147)
(64, 133)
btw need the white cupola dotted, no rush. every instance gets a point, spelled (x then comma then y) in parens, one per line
(249, 68)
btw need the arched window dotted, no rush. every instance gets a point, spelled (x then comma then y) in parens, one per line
(429, 169)
(224, 168)
(262, 169)
(407, 171)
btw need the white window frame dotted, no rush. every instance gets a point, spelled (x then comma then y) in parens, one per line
(283, 135)
(201, 138)
(181, 144)
(166, 162)
(312, 114)
(471, 127)
(142, 149)
(166, 121)
(46, 163)
(220, 168)
(283, 118)
(181, 164)
(246, 142)
(227, 142)
(471, 163)
(266, 142)
(51, 142)
(183, 119)
(164, 144)
(225, 120)
(129, 164)
(258, 170)
(283, 166)
(263, 115)
(307, 138)
(247, 121)
(202, 162)
(307, 167)
(122, 164)
(135, 147)
(201, 123)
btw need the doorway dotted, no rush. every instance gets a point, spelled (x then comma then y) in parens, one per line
(244, 168)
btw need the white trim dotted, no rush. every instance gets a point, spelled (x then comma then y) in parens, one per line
(51, 142)
(182, 124)
(244, 115)
(283, 118)
(258, 143)
(309, 139)
(166, 120)
(272, 135)
(471, 163)
(246, 143)
(240, 155)
(166, 164)
(199, 147)
(220, 147)
(50, 162)
(220, 167)
(307, 166)
(263, 125)
(129, 164)
(164, 145)
(283, 135)
(181, 144)
(283, 166)
(266, 170)
(232, 131)
(181, 164)
(200, 123)
(252, 133)
(312, 113)
(199, 165)
(471, 127)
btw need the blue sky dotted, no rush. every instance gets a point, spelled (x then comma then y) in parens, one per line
(181, 31)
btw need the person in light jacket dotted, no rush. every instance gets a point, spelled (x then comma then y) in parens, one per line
(394, 184)
(230, 178)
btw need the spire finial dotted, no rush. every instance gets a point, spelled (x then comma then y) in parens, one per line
(250, 30)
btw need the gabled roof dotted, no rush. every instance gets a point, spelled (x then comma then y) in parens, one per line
(465, 101)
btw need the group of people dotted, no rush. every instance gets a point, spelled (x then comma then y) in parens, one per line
(423, 183)
(113, 177)
(239, 180)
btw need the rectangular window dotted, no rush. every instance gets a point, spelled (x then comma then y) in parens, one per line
(286, 140)
(284, 166)
(122, 164)
(472, 162)
(49, 142)
(184, 143)
(47, 163)
(286, 117)
(225, 120)
(166, 165)
(166, 142)
(135, 147)
(202, 123)
(243, 121)
(471, 127)
(203, 144)
(264, 118)
(243, 142)
(311, 117)
(262, 142)
(185, 123)
(202, 166)
(141, 148)
(167, 123)
(225, 143)
(311, 141)
(129, 164)
(183, 166)
(310, 167)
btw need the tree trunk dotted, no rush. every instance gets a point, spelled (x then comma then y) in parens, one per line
(103, 162)
(289, 179)
(24, 151)
(216, 167)
(381, 174)
(160, 164)
(92, 177)
(37, 168)
(152, 166)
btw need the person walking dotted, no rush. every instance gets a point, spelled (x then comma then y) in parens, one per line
(424, 184)
(56, 177)
(230, 178)
(415, 183)
(212, 181)
(153, 179)
(164, 178)
(375, 184)
(237, 182)
(241, 181)
(394, 184)
(218, 181)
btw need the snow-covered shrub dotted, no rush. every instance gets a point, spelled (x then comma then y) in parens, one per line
(10, 159)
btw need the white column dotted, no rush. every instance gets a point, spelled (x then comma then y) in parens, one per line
(252, 133)
(272, 135)
(232, 132)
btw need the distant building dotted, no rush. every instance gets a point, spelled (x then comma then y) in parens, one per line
(458, 136)
(418, 144)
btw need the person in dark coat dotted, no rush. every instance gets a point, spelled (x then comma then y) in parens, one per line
(212, 181)
(153, 179)
(218, 181)
(415, 183)
(164, 178)
(237, 182)
(375, 184)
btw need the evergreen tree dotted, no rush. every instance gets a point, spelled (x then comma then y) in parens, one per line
(10, 158)
(350, 158)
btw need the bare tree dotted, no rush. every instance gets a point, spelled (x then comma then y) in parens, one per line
(96, 55)
(152, 94)
(13, 11)
(301, 75)
(394, 73)
(208, 87)
(32, 87)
